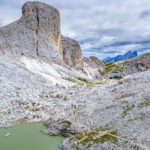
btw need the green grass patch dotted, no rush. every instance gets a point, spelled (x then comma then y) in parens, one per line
(112, 68)
(124, 102)
(83, 80)
(102, 73)
(114, 132)
(127, 109)
(146, 103)
(70, 79)
(106, 138)
(83, 137)
(66, 121)
(88, 138)
(90, 84)
(46, 96)
(105, 129)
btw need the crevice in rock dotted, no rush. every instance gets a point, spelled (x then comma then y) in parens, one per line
(37, 42)
(37, 48)
(38, 20)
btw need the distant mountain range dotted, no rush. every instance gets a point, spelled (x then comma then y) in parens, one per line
(128, 55)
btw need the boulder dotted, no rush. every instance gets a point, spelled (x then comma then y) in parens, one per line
(63, 127)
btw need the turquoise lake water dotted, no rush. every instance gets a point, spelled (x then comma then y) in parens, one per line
(28, 137)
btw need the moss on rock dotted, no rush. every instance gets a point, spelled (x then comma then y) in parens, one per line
(66, 121)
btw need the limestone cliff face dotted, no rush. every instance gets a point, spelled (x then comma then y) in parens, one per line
(72, 54)
(37, 35)
(44, 20)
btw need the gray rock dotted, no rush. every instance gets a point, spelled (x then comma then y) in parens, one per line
(36, 34)
(72, 54)
(8, 134)
(94, 62)
(92, 65)
(64, 128)
(137, 64)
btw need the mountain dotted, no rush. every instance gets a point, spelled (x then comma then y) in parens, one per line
(43, 78)
(138, 64)
(37, 35)
(128, 55)
(92, 65)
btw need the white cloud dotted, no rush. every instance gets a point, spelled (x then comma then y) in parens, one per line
(104, 28)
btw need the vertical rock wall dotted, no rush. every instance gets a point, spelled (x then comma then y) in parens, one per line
(37, 35)
(72, 54)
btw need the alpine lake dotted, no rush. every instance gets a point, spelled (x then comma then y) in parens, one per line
(28, 137)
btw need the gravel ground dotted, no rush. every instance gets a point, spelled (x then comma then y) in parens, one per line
(119, 105)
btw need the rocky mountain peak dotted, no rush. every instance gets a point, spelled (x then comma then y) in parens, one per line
(45, 21)
(126, 56)
(45, 18)
(37, 35)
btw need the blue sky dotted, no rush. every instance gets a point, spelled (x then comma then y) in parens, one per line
(104, 28)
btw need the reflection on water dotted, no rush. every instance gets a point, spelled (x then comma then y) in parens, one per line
(28, 137)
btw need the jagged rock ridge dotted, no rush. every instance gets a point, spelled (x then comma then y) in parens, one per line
(126, 56)
(92, 65)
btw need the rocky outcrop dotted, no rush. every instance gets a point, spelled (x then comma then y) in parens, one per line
(135, 65)
(94, 62)
(138, 64)
(37, 35)
(72, 54)
(63, 127)
(92, 65)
